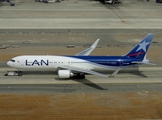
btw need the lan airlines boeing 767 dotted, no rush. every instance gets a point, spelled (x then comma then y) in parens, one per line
(82, 63)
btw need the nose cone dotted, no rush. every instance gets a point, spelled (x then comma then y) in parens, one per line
(9, 63)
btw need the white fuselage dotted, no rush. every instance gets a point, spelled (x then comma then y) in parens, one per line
(51, 63)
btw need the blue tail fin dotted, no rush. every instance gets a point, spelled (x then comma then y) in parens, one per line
(140, 50)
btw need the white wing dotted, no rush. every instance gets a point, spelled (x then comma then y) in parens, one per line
(82, 71)
(88, 51)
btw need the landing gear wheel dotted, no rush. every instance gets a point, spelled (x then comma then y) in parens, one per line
(19, 73)
(82, 76)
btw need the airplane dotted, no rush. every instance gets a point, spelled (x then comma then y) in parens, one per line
(81, 63)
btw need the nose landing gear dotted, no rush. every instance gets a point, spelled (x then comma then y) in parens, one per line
(12, 73)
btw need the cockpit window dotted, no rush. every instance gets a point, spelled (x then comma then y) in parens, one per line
(12, 60)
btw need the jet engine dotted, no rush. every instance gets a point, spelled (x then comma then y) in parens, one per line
(65, 74)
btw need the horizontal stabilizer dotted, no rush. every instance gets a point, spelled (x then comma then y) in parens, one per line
(140, 62)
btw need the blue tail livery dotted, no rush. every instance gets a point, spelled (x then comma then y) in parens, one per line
(140, 50)
(81, 63)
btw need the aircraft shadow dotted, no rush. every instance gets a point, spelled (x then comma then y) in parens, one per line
(85, 82)
(88, 83)
(134, 71)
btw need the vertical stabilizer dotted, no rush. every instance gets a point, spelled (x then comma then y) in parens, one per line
(140, 50)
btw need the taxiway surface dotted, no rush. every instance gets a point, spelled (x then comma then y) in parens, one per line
(130, 80)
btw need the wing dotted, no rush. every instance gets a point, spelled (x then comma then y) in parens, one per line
(82, 71)
(88, 51)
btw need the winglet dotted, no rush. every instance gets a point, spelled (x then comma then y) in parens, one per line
(88, 51)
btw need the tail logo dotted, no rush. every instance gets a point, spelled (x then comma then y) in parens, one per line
(143, 46)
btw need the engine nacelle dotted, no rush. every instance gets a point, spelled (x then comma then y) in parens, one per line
(65, 74)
